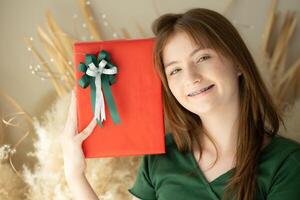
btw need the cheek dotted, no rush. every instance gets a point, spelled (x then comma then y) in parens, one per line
(173, 87)
(220, 69)
(176, 89)
(228, 79)
(224, 72)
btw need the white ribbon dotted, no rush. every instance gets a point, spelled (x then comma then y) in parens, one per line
(97, 72)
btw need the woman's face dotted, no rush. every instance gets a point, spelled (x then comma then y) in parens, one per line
(200, 79)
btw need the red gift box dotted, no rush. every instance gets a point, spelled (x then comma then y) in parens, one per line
(138, 98)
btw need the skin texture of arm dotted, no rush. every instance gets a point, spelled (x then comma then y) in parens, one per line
(74, 159)
(81, 189)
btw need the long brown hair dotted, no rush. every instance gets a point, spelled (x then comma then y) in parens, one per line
(258, 114)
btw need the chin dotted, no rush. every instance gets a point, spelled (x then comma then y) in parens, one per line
(202, 110)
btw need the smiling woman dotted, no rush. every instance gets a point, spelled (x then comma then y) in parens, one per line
(223, 141)
(223, 124)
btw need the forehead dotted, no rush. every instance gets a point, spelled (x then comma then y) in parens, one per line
(180, 46)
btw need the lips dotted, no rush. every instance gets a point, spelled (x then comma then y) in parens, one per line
(194, 93)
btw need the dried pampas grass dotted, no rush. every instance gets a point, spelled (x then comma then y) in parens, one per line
(110, 177)
(284, 79)
(11, 186)
(291, 119)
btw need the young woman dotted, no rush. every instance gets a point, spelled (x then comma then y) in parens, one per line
(223, 124)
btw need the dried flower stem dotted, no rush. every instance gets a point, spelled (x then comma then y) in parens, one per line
(283, 40)
(227, 7)
(141, 30)
(89, 19)
(11, 155)
(63, 41)
(290, 79)
(17, 107)
(269, 28)
(126, 34)
(58, 87)
(54, 53)
(63, 44)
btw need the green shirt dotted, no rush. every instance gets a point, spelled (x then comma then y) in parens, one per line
(170, 176)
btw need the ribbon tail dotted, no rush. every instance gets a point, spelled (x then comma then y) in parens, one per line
(99, 122)
(110, 100)
(102, 107)
(93, 94)
(98, 100)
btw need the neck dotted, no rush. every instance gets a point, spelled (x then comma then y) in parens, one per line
(222, 126)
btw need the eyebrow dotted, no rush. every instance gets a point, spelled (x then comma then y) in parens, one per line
(191, 54)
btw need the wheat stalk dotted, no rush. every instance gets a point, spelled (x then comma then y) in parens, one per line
(269, 27)
(58, 87)
(285, 80)
(58, 60)
(89, 19)
(290, 79)
(125, 33)
(63, 43)
(141, 30)
(227, 7)
(283, 40)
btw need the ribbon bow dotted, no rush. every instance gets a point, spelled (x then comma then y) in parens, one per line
(100, 73)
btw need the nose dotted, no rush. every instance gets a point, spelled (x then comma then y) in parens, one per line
(192, 76)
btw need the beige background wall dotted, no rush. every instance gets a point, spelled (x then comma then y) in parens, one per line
(20, 18)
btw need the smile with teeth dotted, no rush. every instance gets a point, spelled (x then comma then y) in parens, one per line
(200, 91)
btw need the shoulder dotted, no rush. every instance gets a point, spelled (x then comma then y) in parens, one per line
(280, 152)
(280, 155)
(289, 151)
(289, 148)
(280, 168)
(282, 148)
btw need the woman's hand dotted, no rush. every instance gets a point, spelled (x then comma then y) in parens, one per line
(71, 141)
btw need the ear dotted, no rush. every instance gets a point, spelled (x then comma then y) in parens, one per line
(237, 69)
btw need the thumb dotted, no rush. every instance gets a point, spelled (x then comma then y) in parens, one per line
(88, 130)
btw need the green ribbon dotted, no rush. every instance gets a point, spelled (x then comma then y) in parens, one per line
(100, 74)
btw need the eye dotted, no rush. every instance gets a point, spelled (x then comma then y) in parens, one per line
(174, 72)
(202, 58)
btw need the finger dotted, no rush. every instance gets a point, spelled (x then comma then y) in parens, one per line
(88, 130)
(72, 114)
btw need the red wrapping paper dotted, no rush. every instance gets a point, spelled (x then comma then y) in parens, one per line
(138, 97)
